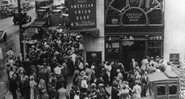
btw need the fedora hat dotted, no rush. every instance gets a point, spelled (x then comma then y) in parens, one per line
(82, 73)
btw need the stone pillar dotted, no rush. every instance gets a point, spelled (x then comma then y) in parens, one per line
(97, 43)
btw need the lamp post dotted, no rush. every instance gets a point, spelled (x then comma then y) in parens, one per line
(20, 30)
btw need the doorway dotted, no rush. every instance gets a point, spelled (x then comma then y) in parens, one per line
(134, 50)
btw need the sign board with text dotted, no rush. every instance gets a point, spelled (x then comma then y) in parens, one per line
(82, 14)
(174, 58)
(134, 16)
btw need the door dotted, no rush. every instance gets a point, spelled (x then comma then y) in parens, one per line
(136, 51)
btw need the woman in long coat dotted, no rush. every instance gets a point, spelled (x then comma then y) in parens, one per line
(32, 84)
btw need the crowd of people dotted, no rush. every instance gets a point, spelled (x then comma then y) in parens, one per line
(58, 54)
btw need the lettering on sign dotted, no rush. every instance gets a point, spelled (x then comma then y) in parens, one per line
(82, 14)
(134, 16)
(174, 58)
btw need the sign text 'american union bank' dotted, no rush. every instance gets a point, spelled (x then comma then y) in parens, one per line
(82, 14)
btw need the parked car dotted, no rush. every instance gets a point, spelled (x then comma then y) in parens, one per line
(23, 18)
(3, 35)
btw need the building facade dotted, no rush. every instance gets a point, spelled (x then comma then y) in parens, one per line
(135, 29)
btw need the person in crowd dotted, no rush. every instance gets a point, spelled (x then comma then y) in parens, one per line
(58, 53)
(13, 85)
(137, 90)
(88, 72)
(73, 92)
(105, 77)
(144, 64)
(64, 73)
(70, 66)
(102, 93)
(10, 53)
(113, 71)
(26, 87)
(32, 85)
(93, 91)
(124, 91)
(42, 89)
(144, 82)
(52, 92)
(62, 92)
(108, 69)
(83, 83)
(133, 64)
(115, 91)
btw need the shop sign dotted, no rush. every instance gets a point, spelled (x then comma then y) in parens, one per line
(82, 14)
(134, 16)
(174, 58)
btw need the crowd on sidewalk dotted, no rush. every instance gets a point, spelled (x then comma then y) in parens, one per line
(57, 54)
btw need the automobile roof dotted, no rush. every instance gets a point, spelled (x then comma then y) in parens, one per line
(158, 76)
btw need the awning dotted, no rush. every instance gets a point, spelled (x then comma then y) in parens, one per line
(94, 32)
(29, 33)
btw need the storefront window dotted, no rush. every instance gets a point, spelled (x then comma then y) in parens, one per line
(112, 48)
(161, 90)
(155, 45)
(172, 89)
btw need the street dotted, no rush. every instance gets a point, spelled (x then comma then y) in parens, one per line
(12, 33)
(12, 42)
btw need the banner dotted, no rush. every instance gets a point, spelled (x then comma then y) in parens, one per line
(82, 14)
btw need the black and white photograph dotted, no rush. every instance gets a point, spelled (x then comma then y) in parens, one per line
(92, 49)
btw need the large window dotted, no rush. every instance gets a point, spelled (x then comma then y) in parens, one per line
(161, 90)
(155, 46)
(129, 12)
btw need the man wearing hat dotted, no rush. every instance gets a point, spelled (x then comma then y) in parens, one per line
(93, 91)
(83, 83)
(73, 91)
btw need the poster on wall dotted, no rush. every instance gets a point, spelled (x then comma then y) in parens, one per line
(82, 14)
(132, 12)
(174, 58)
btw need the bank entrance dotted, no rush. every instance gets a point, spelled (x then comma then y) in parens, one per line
(125, 47)
(136, 50)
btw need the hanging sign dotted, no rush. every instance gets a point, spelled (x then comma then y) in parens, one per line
(82, 14)
(174, 58)
(134, 16)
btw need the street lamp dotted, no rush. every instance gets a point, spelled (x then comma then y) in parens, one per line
(20, 30)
